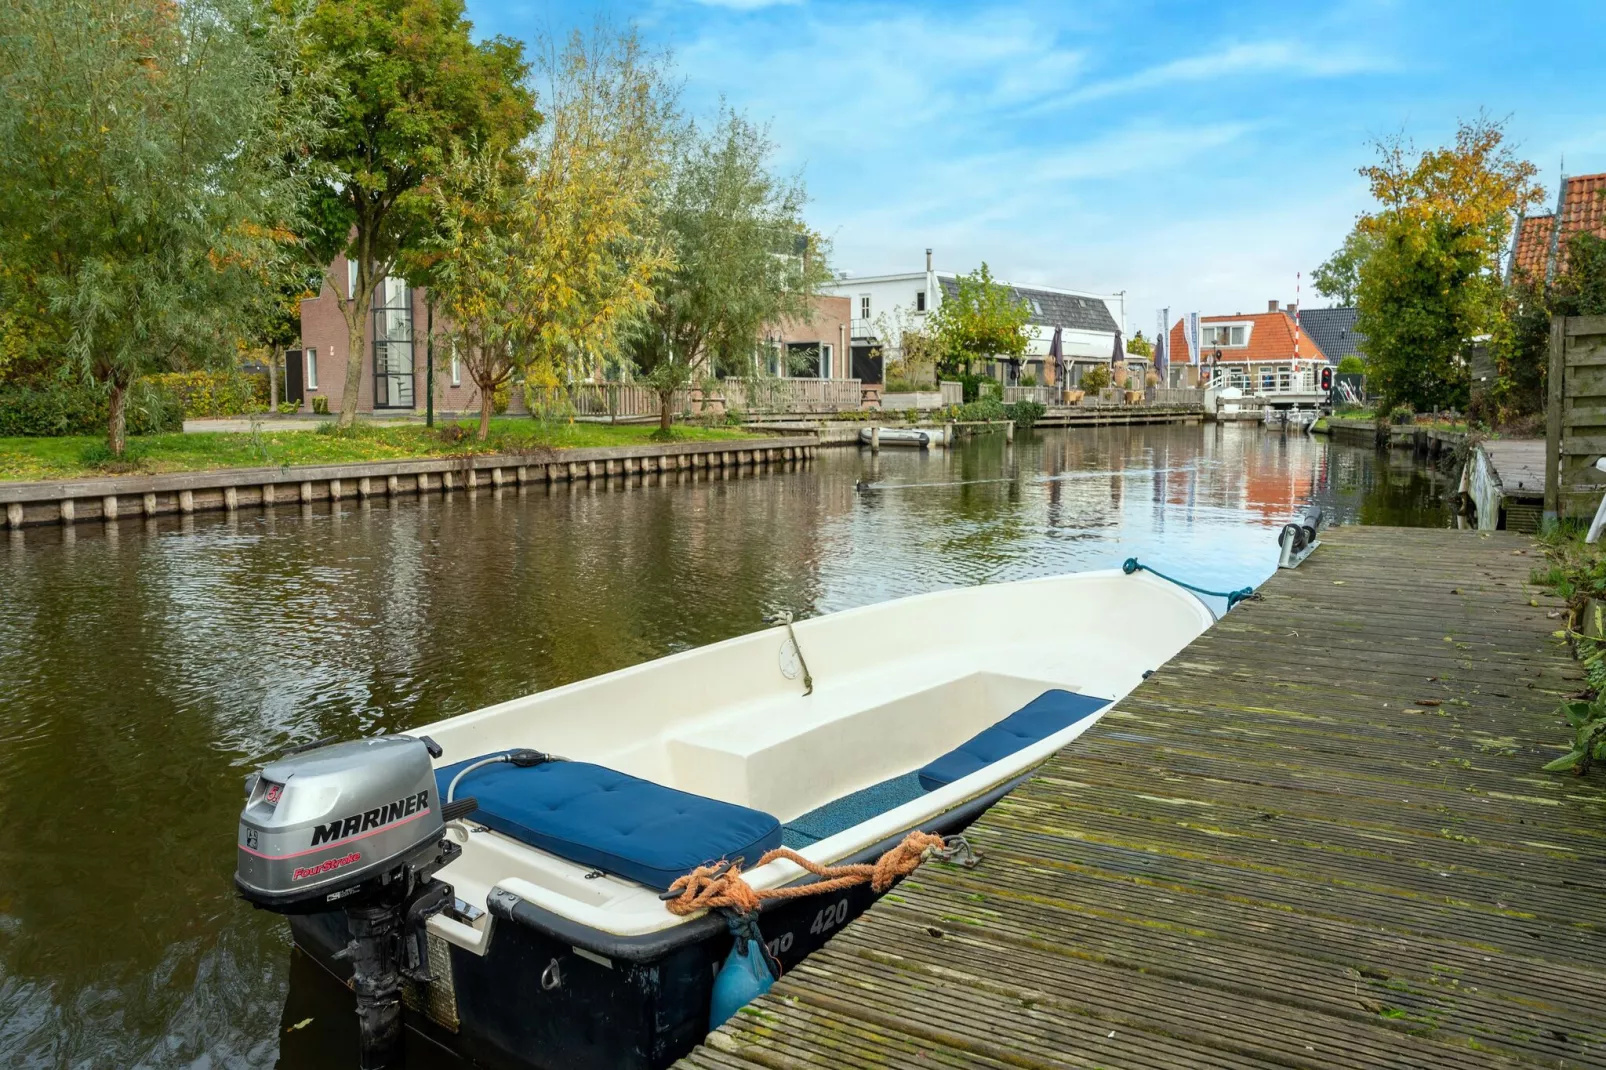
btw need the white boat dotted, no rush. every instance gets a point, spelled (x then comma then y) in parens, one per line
(548, 942)
(922, 437)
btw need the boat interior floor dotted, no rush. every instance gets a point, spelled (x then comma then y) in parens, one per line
(839, 815)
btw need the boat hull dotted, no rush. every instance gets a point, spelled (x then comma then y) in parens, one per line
(609, 1003)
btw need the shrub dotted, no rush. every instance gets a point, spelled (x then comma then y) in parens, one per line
(289, 408)
(320, 405)
(213, 394)
(1028, 379)
(973, 387)
(1025, 413)
(987, 408)
(54, 409)
(500, 397)
(1096, 378)
(1151, 379)
(900, 386)
(1402, 414)
(1352, 365)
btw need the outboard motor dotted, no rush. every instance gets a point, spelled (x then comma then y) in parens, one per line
(1297, 540)
(355, 826)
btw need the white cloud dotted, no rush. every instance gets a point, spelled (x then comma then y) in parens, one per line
(1263, 57)
(747, 5)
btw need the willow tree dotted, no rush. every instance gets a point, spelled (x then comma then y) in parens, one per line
(743, 259)
(548, 249)
(412, 81)
(143, 182)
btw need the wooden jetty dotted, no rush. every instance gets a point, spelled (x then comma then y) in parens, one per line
(1505, 481)
(1317, 838)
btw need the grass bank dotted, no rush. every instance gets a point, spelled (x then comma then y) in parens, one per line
(72, 457)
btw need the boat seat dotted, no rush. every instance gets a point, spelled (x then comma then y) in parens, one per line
(599, 817)
(1037, 720)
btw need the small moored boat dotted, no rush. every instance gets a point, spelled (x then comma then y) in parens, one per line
(504, 872)
(921, 437)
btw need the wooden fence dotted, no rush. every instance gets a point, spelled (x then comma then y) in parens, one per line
(1575, 425)
(793, 395)
(952, 393)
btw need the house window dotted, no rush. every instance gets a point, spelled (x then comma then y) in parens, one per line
(393, 345)
(312, 367)
(804, 359)
(1225, 334)
(825, 360)
(920, 300)
(864, 307)
(457, 367)
(351, 279)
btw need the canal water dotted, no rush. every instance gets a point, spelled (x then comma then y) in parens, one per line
(147, 666)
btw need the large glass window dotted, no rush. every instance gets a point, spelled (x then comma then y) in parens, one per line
(803, 360)
(393, 345)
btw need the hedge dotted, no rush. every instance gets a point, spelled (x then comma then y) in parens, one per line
(53, 409)
(205, 394)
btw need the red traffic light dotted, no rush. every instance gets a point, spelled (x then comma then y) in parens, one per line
(1327, 378)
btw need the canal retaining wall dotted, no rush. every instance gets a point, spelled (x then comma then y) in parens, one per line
(111, 497)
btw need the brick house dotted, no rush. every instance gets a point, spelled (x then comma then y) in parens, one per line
(395, 354)
(1255, 352)
(1539, 243)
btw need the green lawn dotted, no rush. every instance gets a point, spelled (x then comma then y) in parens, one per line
(65, 458)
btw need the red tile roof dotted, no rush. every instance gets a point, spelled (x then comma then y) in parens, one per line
(1272, 338)
(1531, 246)
(1580, 209)
(1583, 210)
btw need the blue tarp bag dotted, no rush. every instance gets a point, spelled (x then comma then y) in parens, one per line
(746, 975)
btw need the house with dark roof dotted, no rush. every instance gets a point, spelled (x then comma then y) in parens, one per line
(1333, 331)
(1539, 244)
(1086, 322)
(1262, 353)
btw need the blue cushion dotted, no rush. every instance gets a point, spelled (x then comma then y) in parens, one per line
(620, 824)
(1037, 720)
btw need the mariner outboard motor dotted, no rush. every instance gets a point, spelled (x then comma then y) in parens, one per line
(357, 827)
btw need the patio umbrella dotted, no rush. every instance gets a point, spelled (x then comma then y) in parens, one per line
(1056, 356)
(1162, 365)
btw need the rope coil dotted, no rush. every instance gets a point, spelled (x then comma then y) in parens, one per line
(720, 885)
(1243, 594)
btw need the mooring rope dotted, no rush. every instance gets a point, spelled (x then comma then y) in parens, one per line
(720, 885)
(1233, 597)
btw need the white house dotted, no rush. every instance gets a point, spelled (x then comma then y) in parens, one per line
(1087, 323)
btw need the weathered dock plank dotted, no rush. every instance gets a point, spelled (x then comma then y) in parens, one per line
(1319, 837)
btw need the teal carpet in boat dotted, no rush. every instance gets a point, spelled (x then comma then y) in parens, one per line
(850, 810)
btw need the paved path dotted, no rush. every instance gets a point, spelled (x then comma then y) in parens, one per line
(1318, 838)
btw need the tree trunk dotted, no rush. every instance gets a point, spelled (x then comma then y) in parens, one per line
(487, 402)
(356, 338)
(273, 379)
(117, 423)
(666, 415)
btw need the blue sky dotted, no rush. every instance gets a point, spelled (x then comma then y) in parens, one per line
(1195, 155)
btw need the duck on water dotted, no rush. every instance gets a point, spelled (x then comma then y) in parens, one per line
(532, 881)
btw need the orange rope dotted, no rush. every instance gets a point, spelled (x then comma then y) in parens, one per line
(721, 885)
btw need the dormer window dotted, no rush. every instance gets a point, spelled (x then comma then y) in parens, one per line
(1225, 334)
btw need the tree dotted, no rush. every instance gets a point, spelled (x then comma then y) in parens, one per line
(1339, 277)
(743, 260)
(1581, 288)
(412, 82)
(1139, 345)
(143, 182)
(547, 251)
(1432, 283)
(982, 319)
(912, 350)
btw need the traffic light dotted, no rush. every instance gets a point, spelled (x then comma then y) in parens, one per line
(1327, 378)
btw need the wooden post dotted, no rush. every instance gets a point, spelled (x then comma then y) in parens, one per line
(365, 487)
(150, 502)
(108, 507)
(67, 511)
(875, 439)
(231, 498)
(14, 515)
(1009, 430)
(334, 490)
(1558, 342)
(186, 500)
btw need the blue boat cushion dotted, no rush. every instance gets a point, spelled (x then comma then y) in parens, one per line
(608, 820)
(1037, 720)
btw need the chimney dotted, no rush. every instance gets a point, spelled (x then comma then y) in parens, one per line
(1289, 308)
(1271, 306)
(928, 261)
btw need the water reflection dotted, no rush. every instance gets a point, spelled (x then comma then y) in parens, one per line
(146, 665)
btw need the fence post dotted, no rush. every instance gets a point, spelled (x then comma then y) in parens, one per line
(1553, 410)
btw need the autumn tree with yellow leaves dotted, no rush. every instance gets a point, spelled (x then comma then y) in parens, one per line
(1431, 283)
(548, 249)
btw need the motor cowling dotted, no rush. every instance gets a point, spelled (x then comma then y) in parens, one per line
(339, 822)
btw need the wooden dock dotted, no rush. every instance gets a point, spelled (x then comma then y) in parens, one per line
(1318, 838)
